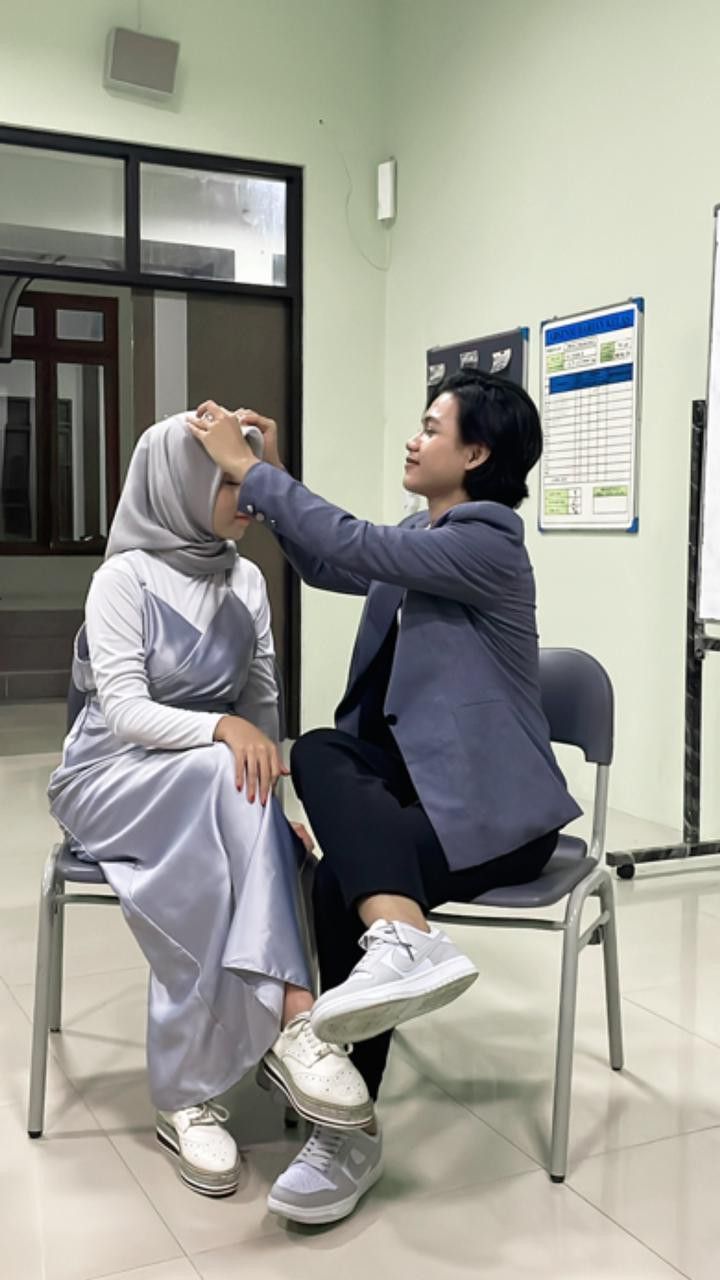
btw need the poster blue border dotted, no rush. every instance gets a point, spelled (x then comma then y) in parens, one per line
(639, 302)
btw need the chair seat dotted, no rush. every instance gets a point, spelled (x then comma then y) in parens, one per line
(567, 867)
(74, 869)
(570, 847)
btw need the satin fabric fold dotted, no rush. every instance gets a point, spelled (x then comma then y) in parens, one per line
(208, 883)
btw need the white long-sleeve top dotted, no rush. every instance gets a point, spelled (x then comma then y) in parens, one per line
(114, 623)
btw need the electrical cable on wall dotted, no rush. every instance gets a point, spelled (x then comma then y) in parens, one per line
(377, 266)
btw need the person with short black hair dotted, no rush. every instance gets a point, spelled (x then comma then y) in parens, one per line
(438, 781)
(501, 416)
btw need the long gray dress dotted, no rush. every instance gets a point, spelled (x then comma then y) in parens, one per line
(208, 882)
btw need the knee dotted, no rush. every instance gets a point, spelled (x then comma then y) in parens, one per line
(309, 755)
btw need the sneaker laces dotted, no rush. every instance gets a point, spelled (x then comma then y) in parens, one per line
(321, 1148)
(304, 1034)
(206, 1113)
(383, 933)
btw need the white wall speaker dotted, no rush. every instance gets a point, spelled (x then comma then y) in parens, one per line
(386, 190)
(136, 63)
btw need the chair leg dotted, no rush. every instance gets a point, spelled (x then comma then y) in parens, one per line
(41, 1010)
(57, 961)
(565, 1044)
(606, 894)
(307, 876)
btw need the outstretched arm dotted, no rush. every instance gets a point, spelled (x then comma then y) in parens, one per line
(476, 562)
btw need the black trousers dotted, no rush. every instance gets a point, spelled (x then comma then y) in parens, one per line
(376, 838)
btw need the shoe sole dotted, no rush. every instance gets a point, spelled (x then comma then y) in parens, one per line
(207, 1184)
(309, 1108)
(362, 1015)
(321, 1215)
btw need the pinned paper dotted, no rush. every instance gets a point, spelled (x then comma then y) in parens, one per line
(469, 359)
(501, 360)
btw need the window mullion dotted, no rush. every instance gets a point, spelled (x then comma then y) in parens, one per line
(132, 216)
(43, 450)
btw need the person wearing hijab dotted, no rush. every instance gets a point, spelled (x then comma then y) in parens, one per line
(166, 781)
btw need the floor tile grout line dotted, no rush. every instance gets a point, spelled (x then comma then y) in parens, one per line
(411, 1197)
(475, 1186)
(100, 1132)
(27, 1016)
(68, 1079)
(596, 1155)
(532, 1159)
(30, 1016)
(88, 1105)
(135, 1271)
(469, 1111)
(73, 977)
(696, 1035)
(676, 979)
(630, 1234)
(647, 1142)
(407, 1198)
(703, 1128)
(139, 1184)
(428, 1193)
(148, 1197)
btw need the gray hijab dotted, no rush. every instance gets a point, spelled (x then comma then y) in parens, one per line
(166, 505)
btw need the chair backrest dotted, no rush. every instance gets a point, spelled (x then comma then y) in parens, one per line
(282, 716)
(578, 700)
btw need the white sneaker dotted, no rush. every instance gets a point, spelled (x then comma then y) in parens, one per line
(327, 1178)
(405, 972)
(318, 1079)
(208, 1159)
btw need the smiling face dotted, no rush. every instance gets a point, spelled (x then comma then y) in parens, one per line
(226, 521)
(437, 459)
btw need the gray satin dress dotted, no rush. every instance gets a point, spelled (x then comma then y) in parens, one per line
(208, 882)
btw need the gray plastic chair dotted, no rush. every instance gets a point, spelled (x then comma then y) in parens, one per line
(63, 868)
(578, 700)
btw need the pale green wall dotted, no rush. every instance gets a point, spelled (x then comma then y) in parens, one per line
(254, 80)
(556, 155)
(553, 155)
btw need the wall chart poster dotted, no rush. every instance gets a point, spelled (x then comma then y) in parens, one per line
(590, 407)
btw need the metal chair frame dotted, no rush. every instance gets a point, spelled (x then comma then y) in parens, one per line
(62, 868)
(596, 883)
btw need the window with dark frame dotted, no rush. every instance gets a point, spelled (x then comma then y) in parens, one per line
(133, 243)
(59, 463)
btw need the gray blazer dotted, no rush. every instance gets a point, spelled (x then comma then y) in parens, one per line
(463, 700)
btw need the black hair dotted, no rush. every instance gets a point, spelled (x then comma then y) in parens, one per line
(499, 414)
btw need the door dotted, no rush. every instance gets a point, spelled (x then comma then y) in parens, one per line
(238, 353)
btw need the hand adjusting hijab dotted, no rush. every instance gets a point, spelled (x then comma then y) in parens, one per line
(166, 505)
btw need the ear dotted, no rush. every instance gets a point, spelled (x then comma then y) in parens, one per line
(477, 454)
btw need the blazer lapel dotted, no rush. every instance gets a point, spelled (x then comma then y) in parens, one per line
(381, 606)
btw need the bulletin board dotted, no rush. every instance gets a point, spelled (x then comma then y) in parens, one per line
(502, 353)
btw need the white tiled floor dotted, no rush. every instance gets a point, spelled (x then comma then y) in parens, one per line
(466, 1106)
